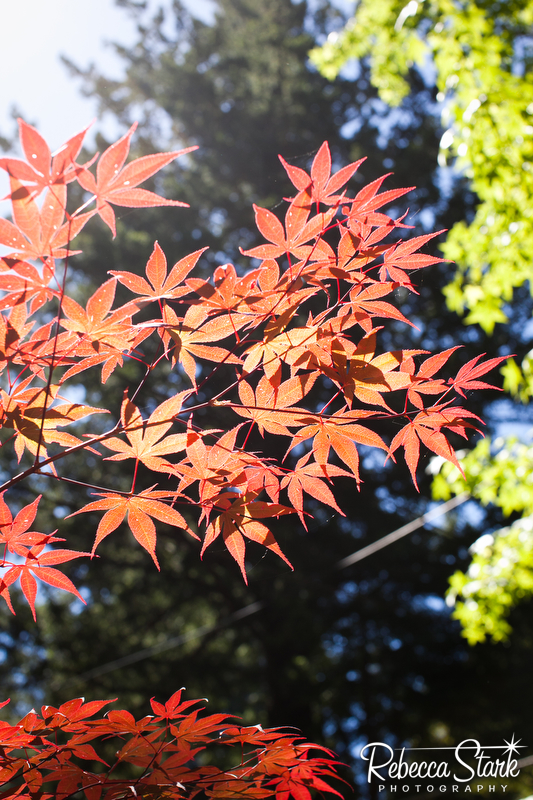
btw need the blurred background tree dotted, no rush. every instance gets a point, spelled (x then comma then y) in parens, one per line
(366, 653)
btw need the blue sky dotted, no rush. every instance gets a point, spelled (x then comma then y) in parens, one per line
(33, 35)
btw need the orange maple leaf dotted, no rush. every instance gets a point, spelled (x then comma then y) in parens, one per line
(237, 521)
(97, 333)
(144, 437)
(309, 478)
(35, 420)
(139, 509)
(297, 232)
(40, 233)
(192, 332)
(272, 407)
(22, 281)
(340, 433)
(159, 284)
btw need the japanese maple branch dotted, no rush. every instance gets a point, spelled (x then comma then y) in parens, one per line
(51, 368)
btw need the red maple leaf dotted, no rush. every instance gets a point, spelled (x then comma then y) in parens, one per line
(42, 170)
(30, 545)
(309, 478)
(467, 377)
(116, 184)
(319, 185)
(427, 428)
(403, 256)
(361, 211)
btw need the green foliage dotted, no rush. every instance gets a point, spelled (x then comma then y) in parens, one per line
(501, 572)
(518, 381)
(486, 90)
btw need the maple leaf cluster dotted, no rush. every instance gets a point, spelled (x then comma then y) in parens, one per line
(52, 755)
(299, 325)
(294, 343)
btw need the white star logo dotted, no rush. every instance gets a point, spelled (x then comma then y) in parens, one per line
(513, 746)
